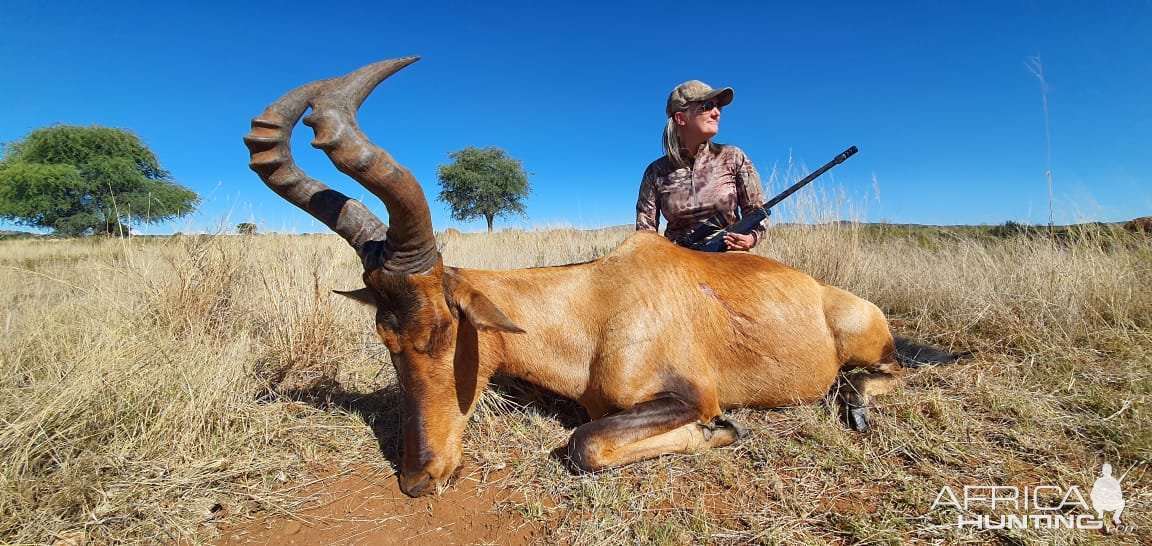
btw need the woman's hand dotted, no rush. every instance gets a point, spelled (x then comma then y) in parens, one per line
(737, 241)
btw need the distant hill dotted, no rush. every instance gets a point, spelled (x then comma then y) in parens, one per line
(9, 234)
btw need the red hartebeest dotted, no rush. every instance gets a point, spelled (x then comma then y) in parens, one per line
(653, 340)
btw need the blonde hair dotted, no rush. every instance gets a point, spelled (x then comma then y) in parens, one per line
(672, 143)
(674, 146)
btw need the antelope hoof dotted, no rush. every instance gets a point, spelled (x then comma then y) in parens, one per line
(735, 430)
(858, 418)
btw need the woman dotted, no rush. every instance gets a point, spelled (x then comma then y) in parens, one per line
(697, 178)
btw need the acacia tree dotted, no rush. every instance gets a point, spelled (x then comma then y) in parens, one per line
(483, 182)
(80, 180)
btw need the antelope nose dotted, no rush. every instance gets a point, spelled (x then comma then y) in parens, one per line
(416, 487)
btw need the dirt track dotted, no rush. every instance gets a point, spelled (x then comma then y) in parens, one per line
(363, 506)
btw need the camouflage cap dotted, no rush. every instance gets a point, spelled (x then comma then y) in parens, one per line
(695, 91)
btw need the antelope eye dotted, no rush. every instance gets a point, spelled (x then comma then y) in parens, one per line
(388, 319)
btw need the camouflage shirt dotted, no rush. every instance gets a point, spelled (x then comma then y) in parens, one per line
(721, 179)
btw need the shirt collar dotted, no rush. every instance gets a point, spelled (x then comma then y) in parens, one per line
(702, 153)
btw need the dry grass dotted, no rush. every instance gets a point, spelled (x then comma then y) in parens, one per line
(152, 388)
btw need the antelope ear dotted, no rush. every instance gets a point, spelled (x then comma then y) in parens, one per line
(480, 311)
(362, 295)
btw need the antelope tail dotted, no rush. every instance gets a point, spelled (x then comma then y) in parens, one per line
(911, 354)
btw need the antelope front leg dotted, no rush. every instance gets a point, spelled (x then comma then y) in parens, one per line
(667, 424)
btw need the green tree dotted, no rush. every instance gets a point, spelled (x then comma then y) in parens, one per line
(80, 180)
(483, 182)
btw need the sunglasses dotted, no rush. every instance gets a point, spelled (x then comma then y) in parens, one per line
(708, 105)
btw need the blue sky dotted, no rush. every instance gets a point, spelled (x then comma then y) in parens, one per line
(938, 96)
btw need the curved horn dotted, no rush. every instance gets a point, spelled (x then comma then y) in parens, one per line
(411, 244)
(270, 146)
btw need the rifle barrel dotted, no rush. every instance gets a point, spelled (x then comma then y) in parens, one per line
(804, 181)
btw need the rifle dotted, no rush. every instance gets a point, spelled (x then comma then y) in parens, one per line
(709, 237)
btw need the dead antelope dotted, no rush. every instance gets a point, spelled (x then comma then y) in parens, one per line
(653, 340)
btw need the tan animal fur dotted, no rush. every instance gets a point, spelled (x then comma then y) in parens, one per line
(653, 340)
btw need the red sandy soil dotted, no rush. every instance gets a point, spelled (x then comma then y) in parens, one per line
(365, 506)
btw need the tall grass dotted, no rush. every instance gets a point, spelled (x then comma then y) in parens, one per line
(152, 389)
